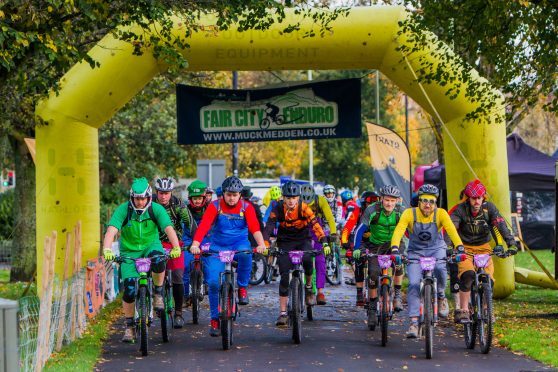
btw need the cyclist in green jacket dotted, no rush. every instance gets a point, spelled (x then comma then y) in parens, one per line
(139, 222)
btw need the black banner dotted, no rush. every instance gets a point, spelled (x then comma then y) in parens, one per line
(318, 110)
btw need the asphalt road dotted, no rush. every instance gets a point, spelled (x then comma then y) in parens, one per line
(337, 340)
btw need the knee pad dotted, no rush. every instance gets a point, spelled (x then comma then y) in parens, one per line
(129, 295)
(466, 281)
(157, 265)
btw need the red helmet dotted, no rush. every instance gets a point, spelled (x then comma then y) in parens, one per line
(475, 189)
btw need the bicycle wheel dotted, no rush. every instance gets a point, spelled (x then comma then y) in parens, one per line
(310, 313)
(258, 269)
(485, 322)
(269, 269)
(428, 319)
(226, 315)
(384, 313)
(166, 315)
(371, 316)
(264, 124)
(470, 329)
(195, 285)
(143, 318)
(333, 276)
(295, 300)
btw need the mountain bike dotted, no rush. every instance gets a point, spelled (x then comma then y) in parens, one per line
(481, 311)
(259, 269)
(143, 316)
(334, 266)
(197, 288)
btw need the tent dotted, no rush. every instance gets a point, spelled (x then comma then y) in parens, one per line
(531, 173)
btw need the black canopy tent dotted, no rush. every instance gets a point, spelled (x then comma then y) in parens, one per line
(531, 173)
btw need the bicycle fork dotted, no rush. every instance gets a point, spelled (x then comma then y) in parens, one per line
(428, 277)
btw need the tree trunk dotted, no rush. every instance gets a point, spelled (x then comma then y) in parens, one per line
(24, 240)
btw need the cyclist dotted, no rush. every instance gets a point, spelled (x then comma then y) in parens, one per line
(322, 211)
(335, 204)
(230, 219)
(367, 198)
(273, 195)
(476, 221)
(379, 220)
(219, 192)
(351, 213)
(180, 216)
(424, 224)
(209, 194)
(197, 204)
(294, 217)
(139, 222)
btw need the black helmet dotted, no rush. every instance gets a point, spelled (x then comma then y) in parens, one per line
(307, 193)
(369, 197)
(246, 192)
(390, 190)
(164, 184)
(232, 184)
(290, 188)
(428, 189)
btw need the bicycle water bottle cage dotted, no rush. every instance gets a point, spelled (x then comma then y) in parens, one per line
(481, 260)
(384, 261)
(226, 256)
(296, 257)
(143, 265)
(205, 247)
(427, 263)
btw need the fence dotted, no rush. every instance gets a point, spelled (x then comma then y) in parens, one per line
(5, 254)
(60, 312)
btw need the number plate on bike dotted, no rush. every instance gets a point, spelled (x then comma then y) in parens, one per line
(481, 260)
(427, 263)
(296, 257)
(384, 261)
(143, 265)
(226, 256)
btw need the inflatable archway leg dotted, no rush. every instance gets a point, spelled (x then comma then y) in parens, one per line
(67, 186)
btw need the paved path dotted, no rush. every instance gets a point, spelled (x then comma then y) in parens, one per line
(337, 340)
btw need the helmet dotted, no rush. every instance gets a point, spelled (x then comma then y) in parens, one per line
(246, 192)
(164, 184)
(346, 196)
(275, 192)
(428, 189)
(232, 184)
(140, 189)
(197, 188)
(368, 197)
(209, 191)
(307, 193)
(475, 189)
(219, 191)
(329, 188)
(290, 188)
(390, 190)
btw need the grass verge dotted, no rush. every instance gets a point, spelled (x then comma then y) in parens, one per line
(83, 353)
(528, 319)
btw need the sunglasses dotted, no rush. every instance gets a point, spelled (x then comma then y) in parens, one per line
(427, 201)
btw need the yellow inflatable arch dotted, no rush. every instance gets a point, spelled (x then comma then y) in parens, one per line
(67, 148)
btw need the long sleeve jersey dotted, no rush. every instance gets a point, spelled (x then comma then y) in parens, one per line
(293, 223)
(352, 216)
(443, 220)
(322, 210)
(211, 214)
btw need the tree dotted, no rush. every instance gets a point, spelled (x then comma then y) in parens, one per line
(41, 40)
(510, 43)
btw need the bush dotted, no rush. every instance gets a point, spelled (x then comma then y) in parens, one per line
(6, 214)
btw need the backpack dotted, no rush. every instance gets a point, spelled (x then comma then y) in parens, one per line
(375, 217)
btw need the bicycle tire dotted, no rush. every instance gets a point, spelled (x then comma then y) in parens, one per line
(371, 316)
(270, 268)
(195, 284)
(256, 278)
(470, 329)
(144, 345)
(295, 299)
(384, 313)
(485, 324)
(310, 313)
(166, 313)
(264, 124)
(428, 320)
(226, 316)
(333, 276)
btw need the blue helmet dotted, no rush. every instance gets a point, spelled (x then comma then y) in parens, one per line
(428, 189)
(219, 191)
(346, 196)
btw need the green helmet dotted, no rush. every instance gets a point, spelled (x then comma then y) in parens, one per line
(275, 192)
(197, 188)
(140, 189)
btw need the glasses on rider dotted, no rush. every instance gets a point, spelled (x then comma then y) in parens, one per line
(428, 201)
(328, 194)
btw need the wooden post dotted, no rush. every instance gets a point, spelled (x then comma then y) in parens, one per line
(81, 323)
(74, 291)
(63, 298)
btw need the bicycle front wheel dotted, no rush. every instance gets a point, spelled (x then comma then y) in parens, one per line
(269, 269)
(428, 325)
(166, 315)
(333, 270)
(259, 267)
(470, 329)
(384, 313)
(485, 322)
(295, 301)
(143, 318)
(227, 299)
(195, 285)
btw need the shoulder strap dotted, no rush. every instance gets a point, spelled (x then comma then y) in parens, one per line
(128, 216)
(299, 215)
(280, 211)
(376, 215)
(414, 214)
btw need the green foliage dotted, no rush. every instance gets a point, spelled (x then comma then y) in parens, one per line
(510, 43)
(6, 215)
